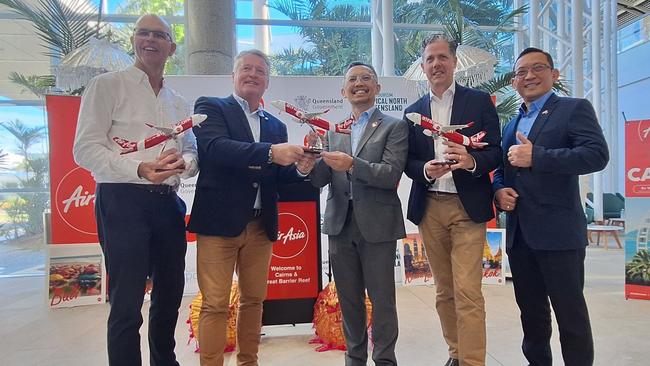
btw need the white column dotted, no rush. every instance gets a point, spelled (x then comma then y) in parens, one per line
(616, 150)
(595, 98)
(519, 33)
(608, 122)
(262, 32)
(561, 33)
(375, 35)
(388, 38)
(533, 23)
(577, 45)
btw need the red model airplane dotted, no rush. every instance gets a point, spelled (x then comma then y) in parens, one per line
(450, 133)
(313, 119)
(164, 134)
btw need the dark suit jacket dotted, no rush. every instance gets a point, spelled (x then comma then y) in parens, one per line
(474, 189)
(567, 142)
(232, 167)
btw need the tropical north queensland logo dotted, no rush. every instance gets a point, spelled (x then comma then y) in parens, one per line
(75, 201)
(293, 236)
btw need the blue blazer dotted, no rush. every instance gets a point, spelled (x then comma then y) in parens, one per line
(232, 167)
(474, 189)
(567, 142)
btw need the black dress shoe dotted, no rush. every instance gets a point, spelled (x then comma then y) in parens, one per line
(452, 362)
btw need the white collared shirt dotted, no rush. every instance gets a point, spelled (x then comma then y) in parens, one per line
(253, 118)
(441, 114)
(118, 104)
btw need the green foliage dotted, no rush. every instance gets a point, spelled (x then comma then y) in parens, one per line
(327, 50)
(637, 271)
(3, 160)
(37, 84)
(62, 25)
(25, 211)
(175, 64)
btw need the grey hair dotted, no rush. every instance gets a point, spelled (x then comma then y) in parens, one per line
(254, 52)
(440, 37)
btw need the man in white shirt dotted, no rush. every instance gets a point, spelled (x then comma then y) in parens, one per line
(451, 198)
(140, 219)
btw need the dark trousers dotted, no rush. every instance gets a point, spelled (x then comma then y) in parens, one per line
(359, 265)
(142, 234)
(558, 275)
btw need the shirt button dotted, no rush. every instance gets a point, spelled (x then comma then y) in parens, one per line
(255, 185)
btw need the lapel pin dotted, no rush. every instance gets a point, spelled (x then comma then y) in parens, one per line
(374, 124)
(545, 111)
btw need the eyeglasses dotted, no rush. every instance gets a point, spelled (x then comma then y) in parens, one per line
(536, 69)
(160, 35)
(363, 77)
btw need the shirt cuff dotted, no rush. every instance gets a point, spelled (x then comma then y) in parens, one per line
(424, 172)
(473, 169)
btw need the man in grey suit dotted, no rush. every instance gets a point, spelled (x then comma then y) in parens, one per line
(363, 217)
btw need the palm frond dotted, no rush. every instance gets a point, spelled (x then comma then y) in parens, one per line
(508, 108)
(498, 84)
(37, 84)
(63, 27)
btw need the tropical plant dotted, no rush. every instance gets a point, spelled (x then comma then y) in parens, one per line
(63, 26)
(3, 160)
(637, 271)
(327, 51)
(27, 208)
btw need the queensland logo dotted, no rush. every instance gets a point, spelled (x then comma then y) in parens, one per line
(293, 236)
(75, 201)
(303, 102)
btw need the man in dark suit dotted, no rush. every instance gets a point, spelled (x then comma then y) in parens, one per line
(243, 156)
(549, 144)
(451, 198)
(363, 217)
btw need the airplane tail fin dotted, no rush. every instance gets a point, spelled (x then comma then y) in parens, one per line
(126, 145)
(477, 138)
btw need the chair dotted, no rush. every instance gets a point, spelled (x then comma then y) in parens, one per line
(613, 205)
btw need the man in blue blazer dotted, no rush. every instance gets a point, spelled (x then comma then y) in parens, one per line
(243, 156)
(547, 146)
(451, 202)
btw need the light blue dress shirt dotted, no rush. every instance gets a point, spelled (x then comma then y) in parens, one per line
(528, 117)
(359, 126)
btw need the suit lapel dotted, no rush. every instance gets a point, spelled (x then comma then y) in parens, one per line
(243, 121)
(371, 126)
(542, 117)
(458, 105)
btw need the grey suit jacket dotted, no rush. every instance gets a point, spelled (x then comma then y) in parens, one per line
(378, 165)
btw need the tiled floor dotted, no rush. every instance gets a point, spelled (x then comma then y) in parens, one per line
(30, 334)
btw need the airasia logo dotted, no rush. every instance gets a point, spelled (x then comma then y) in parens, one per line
(643, 129)
(75, 201)
(293, 236)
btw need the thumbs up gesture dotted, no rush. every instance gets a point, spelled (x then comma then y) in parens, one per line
(521, 155)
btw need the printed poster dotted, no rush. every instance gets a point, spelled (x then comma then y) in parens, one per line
(76, 275)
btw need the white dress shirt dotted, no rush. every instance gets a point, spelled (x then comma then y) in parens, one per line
(441, 114)
(118, 104)
(253, 118)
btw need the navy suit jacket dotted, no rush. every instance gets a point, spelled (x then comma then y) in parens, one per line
(474, 189)
(232, 167)
(567, 142)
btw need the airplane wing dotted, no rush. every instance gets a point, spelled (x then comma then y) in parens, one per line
(453, 128)
(165, 130)
(315, 114)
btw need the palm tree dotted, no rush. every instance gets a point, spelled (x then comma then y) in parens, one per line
(638, 270)
(26, 137)
(3, 160)
(62, 26)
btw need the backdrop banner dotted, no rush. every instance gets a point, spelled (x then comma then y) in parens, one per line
(637, 209)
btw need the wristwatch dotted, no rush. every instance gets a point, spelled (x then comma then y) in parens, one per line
(270, 159)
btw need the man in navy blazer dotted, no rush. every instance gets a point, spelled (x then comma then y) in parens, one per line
(243, 157)
(451, 202)
(548, 145)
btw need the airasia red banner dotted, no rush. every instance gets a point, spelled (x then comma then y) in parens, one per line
(293, 273)
(72, 189)
(637, 158)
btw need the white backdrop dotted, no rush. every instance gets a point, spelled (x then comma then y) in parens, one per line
(312, 94)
